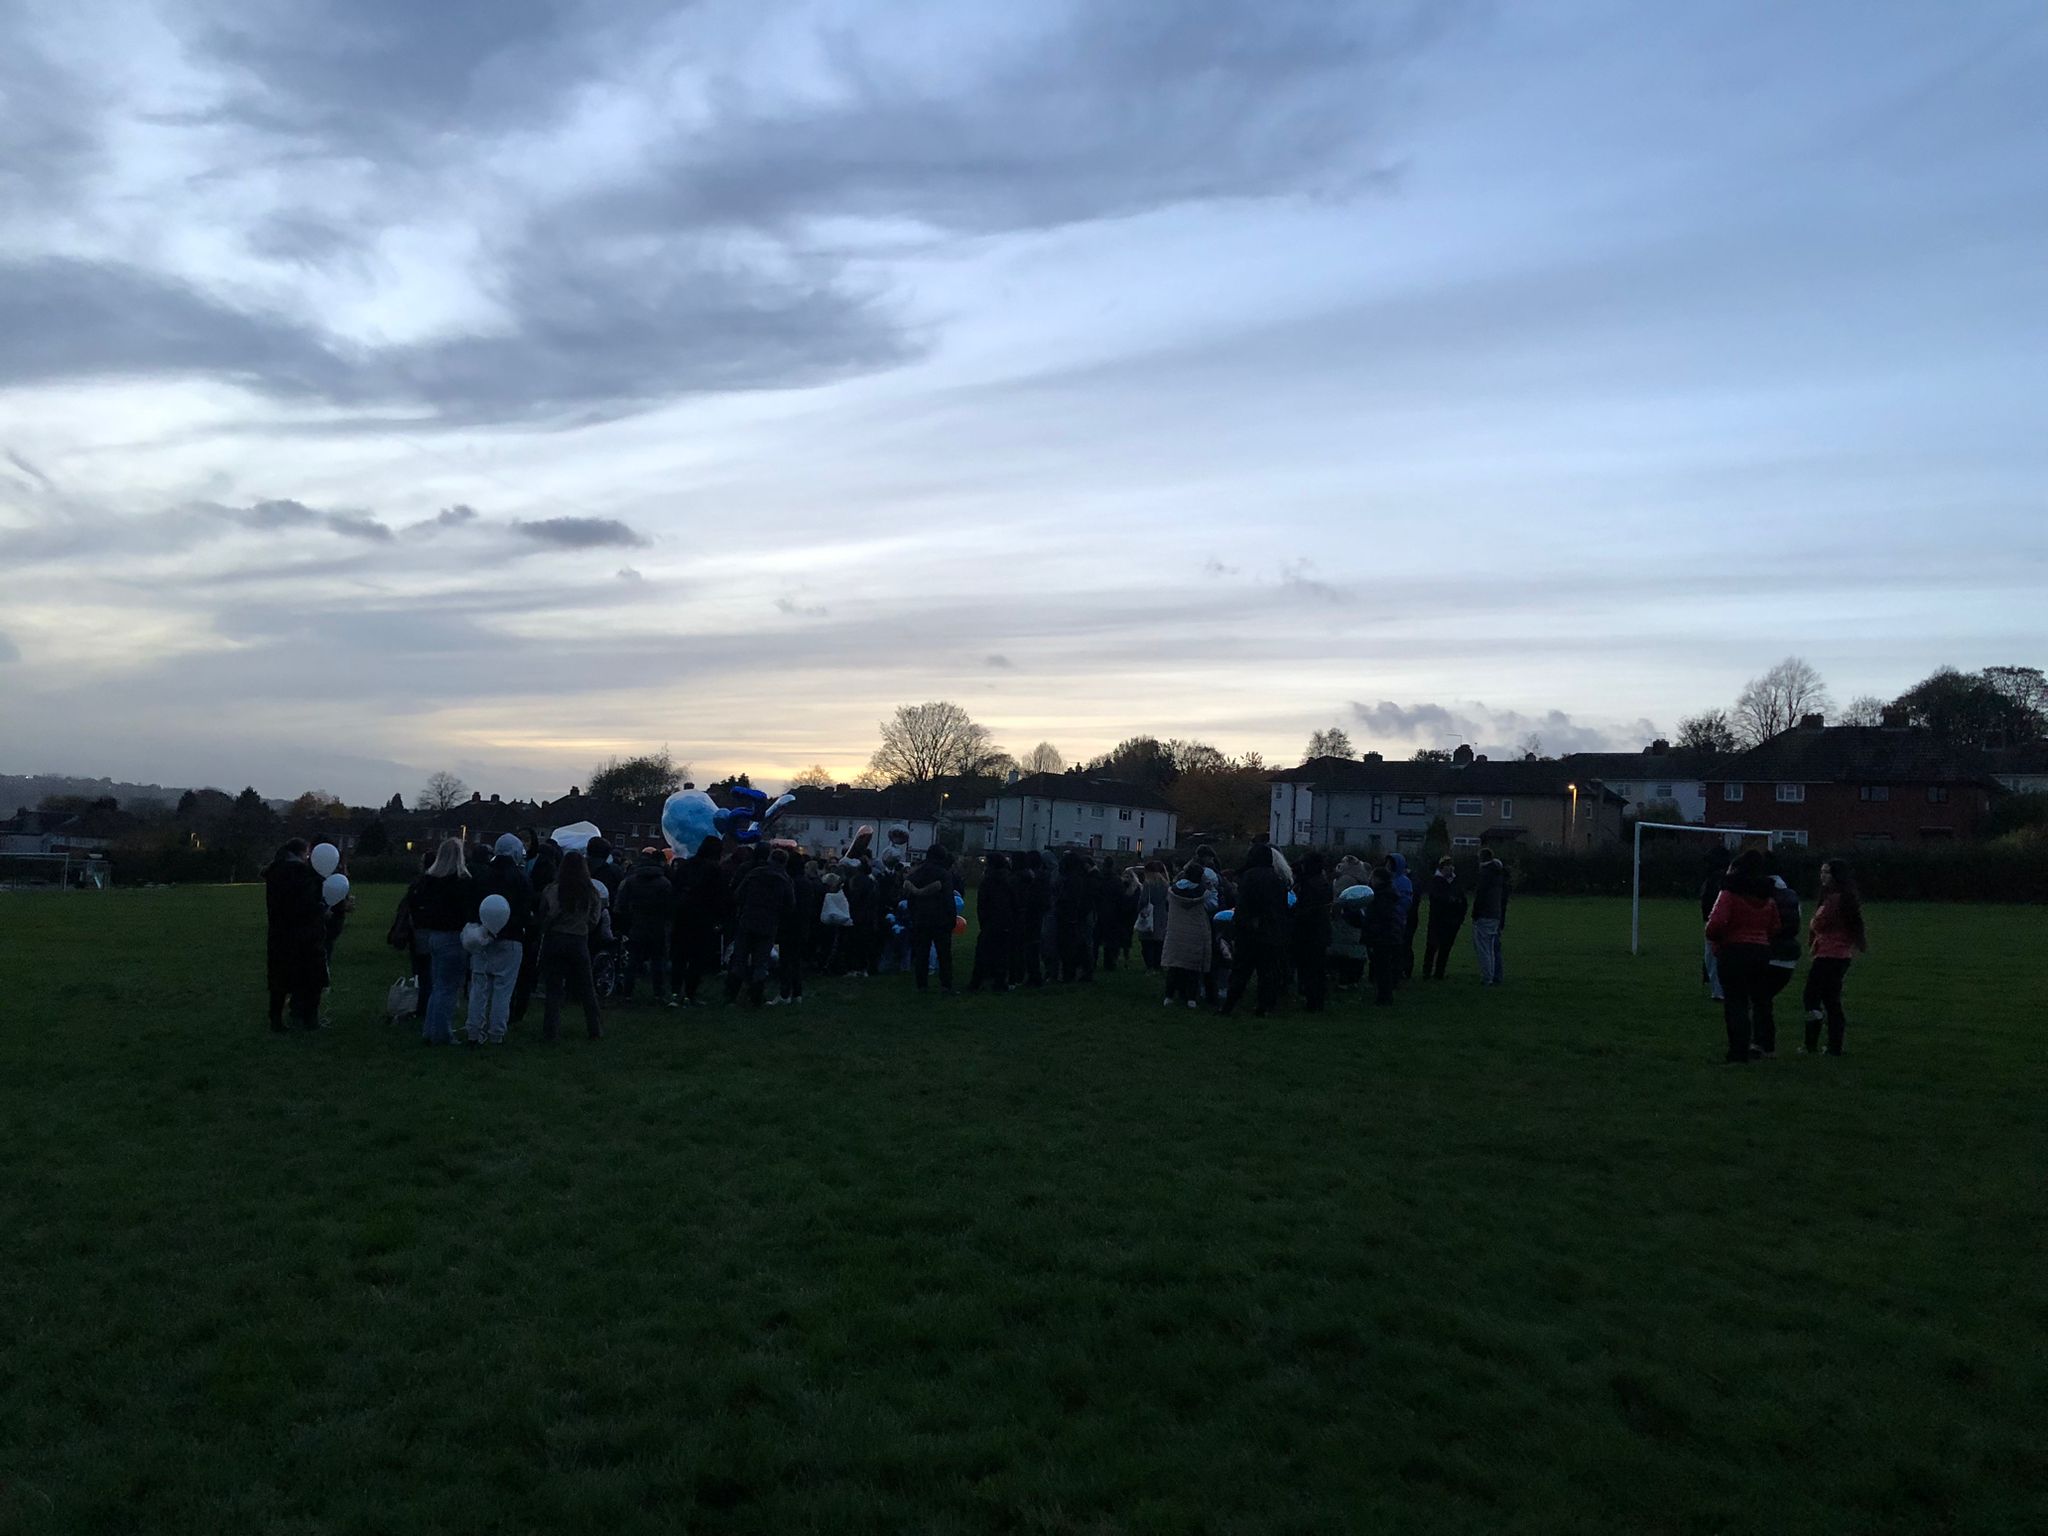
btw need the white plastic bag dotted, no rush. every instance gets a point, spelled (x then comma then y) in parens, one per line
(837, 911)
(403, 1000)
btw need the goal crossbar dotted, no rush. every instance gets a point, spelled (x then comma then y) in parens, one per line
(1635, 906)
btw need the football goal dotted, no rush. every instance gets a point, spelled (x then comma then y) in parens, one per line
(1731, 838)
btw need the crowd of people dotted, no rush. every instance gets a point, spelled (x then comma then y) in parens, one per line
(1753, 938)
(494, 926)
(748, 924)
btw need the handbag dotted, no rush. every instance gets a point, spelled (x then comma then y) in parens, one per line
(1143, 926)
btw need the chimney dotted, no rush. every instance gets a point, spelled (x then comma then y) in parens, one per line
(1894, 718)
(1462, 756)
(1480, 758)
(476, 797)
(1659, 747)
(574, 791)
(1010, 778)
(1372, 757)
(1811, 722)
(494, 799)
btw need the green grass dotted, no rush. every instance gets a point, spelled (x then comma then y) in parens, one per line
(1520, 1260)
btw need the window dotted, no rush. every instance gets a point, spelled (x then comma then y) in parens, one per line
(1791, 794)
(1412, 838)
(1123, 845)
(1095, 841)
(1337, 837)
(1415, 805)
(1095, 811)
(1468, 806)
(1279, 793)
(1873, 837)
(1123, 813)
(1663, 791)
(1626, 791)
(1374, 842)
(1780, 839)
(1376, 807)
(1507, 810)
(1731, 791)
(1874, 792)
(1464, 842)
(1937, 794)
(832, 825)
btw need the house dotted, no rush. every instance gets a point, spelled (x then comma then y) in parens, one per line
(2022, 769)
(1378, 806)
(1074, 810)
(86, 831)
(1834, 786)
(825, 821)
(1656, 776)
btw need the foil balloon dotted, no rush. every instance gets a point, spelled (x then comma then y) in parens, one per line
(689, 819)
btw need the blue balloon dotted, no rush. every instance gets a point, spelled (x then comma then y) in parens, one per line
(1290, 898)
(1227, 915)
(746, 798)
(689, 819)
(748, 834)
(959, 902)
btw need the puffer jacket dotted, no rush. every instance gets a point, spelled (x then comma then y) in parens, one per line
(1187, 929)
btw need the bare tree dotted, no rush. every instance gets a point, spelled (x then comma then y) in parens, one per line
(1864, 709)
(814, 777)
(1779, 700)
(1531, 746)
(1334, 742)
(1043, 758)
(922, 742)
(444, 792)
(1710, 733)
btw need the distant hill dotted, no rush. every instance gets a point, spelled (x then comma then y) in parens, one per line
(28, 789)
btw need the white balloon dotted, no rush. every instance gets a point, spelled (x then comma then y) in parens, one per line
(326, 859)
(334, 889)
(495, 913)
(575, 837)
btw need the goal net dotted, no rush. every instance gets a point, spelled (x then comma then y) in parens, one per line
(1727, 837)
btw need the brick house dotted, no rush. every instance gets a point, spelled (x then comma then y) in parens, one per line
(1075, 810)
(1833, 786)
(1378, 806)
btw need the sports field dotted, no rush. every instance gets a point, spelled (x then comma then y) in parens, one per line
(1060, 1262)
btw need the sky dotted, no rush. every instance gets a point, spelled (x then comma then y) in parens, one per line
(501, 385)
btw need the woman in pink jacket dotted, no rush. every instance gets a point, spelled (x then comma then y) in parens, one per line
(1744, 919)
(1837, 937)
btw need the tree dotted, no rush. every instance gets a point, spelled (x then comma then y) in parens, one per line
(1864, 709)
(1708, 734)
(373, 840)
(1963, 708)
(1334, 742)
(1137, 760)
(444, 792)
(249, 830)
(1043, 758)
(315, 805)
(395, 805)
(1430, 755)
(1225, 799)
(1779, 700)
(923, 742)
(77, 803)
(2027, 691)
(814, 777)
(733, 781)
(639, 780)
(1531, 747)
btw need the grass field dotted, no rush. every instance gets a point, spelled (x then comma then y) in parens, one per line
(1066, 1262)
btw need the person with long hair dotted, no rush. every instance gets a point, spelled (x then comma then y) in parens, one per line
(1310, 934)
(1741, 927)
(1259, 934)
(1186, 953)
(443, 901)
(569, 911)
(1152, 938)
(1837, 936)
(295, 946)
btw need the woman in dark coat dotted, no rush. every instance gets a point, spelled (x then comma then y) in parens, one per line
(295, 947)
(1386, 932)
(1310, 939)
(443, 901)
(1073, 909)
(1259, 933)
(995, 921)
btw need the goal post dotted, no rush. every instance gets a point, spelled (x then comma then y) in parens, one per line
(1729, 837)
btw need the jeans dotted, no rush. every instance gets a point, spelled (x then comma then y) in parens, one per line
(1746, 1002)
(923, 941)
(449, 965)
(1711, 969)
(565, 967)
(493, 975)
(1436, 948)
(1824, 992)
(1486, 944)
(649, 948)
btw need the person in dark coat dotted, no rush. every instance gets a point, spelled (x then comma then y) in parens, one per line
(645, 907)
(1490, 895)
(1258, 933)
(444, 901)
(1034, 911)
(605, 867)
(932, 913)
(703, 900)
(1446, 917)
(1073, 910)
(798, 935)
(761, 898)
(864, 905)
(295, 942)
(1385, 927)
(1309, 934)
(1109, 940)
(995, 920)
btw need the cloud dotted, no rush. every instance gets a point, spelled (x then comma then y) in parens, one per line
(579, 532)
(628, 574)
(455, 516)
(1496, 732)
(9, 651)
(1214, 567)
(296, 514)
(999, 662)
(30, 470)
(1295, 578)
(792, 607)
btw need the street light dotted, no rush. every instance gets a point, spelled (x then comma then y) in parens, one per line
(1574, 829)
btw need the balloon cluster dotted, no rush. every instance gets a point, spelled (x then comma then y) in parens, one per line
(690, 818)
(899, 920)
(326, 860)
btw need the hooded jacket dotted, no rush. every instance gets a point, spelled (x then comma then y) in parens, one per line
(646, 901)
(505, 876)
(1187, 927)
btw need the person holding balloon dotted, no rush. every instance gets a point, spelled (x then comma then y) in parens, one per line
(295, 941)
(504, 914)
(444, 901)
(933, 911)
